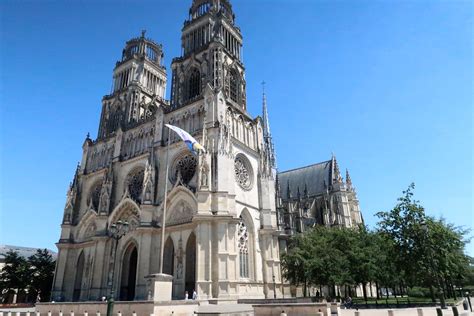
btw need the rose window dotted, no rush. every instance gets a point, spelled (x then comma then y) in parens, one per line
(186, 168)
(135, 185)
(95, 195)
(243, 173)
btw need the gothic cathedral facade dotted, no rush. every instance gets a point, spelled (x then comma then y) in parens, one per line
(228, 211)
(221, 224)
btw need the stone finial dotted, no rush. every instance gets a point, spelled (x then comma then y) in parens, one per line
(348, 179)
(337, 178)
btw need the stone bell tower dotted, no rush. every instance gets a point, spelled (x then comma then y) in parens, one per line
(236, 189)
(138, 78)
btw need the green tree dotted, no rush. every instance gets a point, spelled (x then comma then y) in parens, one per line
(42, 271)
(295, 263)
(403, 225)
(15, 275)
(426, 251)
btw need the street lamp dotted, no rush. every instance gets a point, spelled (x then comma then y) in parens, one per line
(116, 231)
(424, 226)
(274, 287)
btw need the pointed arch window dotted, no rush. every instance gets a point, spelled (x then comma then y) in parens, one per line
(234, 85)
(243, 249)
(194, 84)
(135, 184)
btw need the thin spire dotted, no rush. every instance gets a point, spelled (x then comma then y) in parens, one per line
(266, 123)
(348, 179)
(267, 135)
(337, 174)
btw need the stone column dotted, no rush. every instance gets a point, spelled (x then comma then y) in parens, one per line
(203, 258)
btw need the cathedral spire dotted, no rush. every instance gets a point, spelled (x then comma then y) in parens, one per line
(266, 123)
(267, 135)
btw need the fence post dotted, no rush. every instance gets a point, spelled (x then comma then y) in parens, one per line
(419, 311)
(455, 311)
(439, 311)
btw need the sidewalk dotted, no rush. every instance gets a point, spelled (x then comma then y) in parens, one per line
(427, 311)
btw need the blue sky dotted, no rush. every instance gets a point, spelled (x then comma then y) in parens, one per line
(385, 85)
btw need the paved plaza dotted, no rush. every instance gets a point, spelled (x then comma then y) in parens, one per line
(427, 311)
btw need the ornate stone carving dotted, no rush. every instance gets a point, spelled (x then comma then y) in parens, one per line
(135, 185)
(94, 196)
(243, 245)
(185, 167)
(243, 172)
(182, 213)
(104, 204)
(204, 174)
(148, 183)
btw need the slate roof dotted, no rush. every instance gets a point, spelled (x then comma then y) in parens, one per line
(24, 252)
(315, 177)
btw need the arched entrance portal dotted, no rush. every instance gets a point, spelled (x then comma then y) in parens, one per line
(129, 274)
(190, 276)
(78, 280)
(168, 260)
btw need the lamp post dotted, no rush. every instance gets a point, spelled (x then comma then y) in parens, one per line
(274, 287)
(424, 225)
(116, 231)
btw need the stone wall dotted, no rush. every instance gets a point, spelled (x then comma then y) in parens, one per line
(141, 308)
(300, 309)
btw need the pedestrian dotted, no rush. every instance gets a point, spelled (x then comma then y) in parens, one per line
(186, 295)
(194, 295)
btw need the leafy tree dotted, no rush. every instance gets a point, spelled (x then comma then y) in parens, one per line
(42, 271)
(362, 257)
(15, 275)
(403, 225)
(295, 263)
(426, 251)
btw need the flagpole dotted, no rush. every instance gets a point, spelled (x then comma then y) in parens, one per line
(163, 224)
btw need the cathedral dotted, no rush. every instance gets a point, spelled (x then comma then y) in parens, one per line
(229, 212)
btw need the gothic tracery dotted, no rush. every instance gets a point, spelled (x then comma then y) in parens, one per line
(243, 172)
(135, 185)
(243, 244)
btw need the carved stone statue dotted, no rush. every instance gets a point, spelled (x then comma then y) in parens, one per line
(204, 174)
(148, 184)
